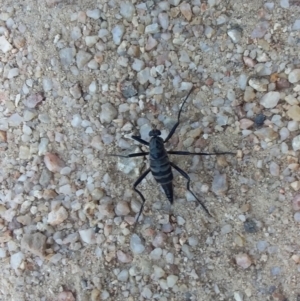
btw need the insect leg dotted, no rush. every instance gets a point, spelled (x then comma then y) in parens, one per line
(184, 153)
(186, 176)
(140, 140)
(130, 155)
(136, 183)
(178, 119)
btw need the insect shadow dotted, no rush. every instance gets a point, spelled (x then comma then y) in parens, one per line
(161, 166)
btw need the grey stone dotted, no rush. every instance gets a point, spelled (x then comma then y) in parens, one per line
(35, 243)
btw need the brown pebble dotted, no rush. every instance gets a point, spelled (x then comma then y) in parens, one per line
(123, 257)
(249, 61)
(185, 9)
(274, 77)
(209, 81)
(296, 202)
(296, 258)
(3, 136)
(98, 57)
(53, 162)
(245, 207)
(294, 113)
(95, 295)
(246, 123)
(282, 83)
(5, 236)
(19, 42)
(49, 194)
(65, 296)
(221, 161)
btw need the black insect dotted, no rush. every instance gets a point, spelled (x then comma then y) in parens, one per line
(161, 166)
(259, 119)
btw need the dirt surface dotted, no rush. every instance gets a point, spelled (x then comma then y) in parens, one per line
(78, 78)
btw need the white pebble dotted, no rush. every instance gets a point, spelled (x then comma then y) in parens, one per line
(152, 28)
(296, 143)
(238, 296)
(118, 32)
(293, 125)
(43, 146)
(16, 259)
(93, 87)
(156, 253)
(171, 280)
(13, 73)
(127, 10)
(5, 46)
(270, 99)
(93, 13)
(91, 40)
(108, 113)
(123, 276)
(137, 65)
(136, 244)
(158, 272)
(226, 229)
(88, 236)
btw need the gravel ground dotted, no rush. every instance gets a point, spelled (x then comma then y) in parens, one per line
(78, 78)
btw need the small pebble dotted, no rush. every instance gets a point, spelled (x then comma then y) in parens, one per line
(122, 208)
(296, 25)
(246, 123)
(136, 244)
(274, 169)
(53, 162)
(294, 113)
(57, 216)
(238, 296)
(297, 217)
(243, 260)
(93, 13)
(270, 99)
(127, 10)
(159, 240)
(235, 35)
(220, 184)
(146, 292)
(88, 236)
(5, 46)
(226, 229)
(296, 202)
(118, 32)
(259, 84)
(260, 30)
(171, 280)
(16, 260)
(123, 276)
(262, 245)
(296, 143)
(275, 271)
(185, 9)
(82, 58)
(108, 113)
(294, 76)
(35, 243)
(123, 257)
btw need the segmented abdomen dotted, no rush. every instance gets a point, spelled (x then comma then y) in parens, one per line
(159, 161)
(160, 166)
